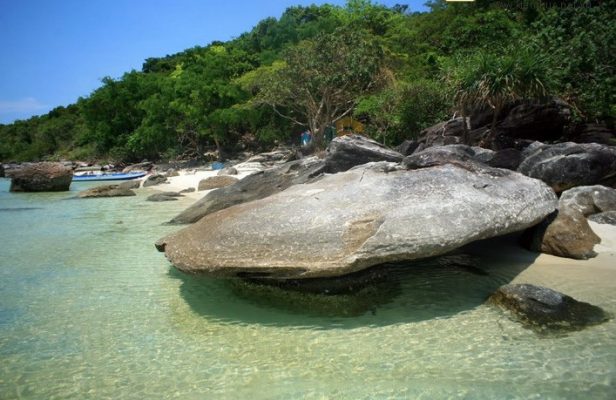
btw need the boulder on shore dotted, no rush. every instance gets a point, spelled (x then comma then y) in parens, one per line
(106, 191)
(215, 182)
(566, 165)
(42, 177)
(255, 186)
(349, 221)
(347, 151)
(564, 234)
(545, 309)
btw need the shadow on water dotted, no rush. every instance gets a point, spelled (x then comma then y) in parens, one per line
(387, 294)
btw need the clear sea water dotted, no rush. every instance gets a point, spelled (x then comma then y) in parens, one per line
(90, 310)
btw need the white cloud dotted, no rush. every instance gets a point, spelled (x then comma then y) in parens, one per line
(25, 105)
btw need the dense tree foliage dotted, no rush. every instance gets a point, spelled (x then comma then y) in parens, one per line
(397, 71)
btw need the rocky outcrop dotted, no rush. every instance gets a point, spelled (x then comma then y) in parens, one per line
(106, 191)
(352, 220)
(255, 186)
(155, 179)
(347, 151)
(41, 177)
(164, 196)
(215, 182)
(542, 122)
(566, 165)
(188, 190)
(545, 309)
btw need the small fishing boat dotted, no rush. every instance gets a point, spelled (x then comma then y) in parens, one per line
(107, 176)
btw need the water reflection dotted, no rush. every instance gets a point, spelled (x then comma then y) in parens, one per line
(383, 295)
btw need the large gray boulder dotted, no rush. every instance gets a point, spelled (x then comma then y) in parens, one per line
(547, 310)
(255, 186)
(347, 151)
(42, 177)
(566, 165)
(350, 221)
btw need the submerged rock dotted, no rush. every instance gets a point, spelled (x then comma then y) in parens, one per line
(566, 165)
(353, 220)
(546, 309)
(41, 177)
(256, 186)
(347, 151)
(215, 182)
(106, 191)
(164, 196)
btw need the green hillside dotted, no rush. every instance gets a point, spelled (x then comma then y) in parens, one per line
(398, 71)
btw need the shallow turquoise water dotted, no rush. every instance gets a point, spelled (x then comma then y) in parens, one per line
(89, 309)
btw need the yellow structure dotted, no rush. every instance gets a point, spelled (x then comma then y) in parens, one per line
(348, 125)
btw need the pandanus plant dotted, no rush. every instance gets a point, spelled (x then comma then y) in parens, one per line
(494, 80)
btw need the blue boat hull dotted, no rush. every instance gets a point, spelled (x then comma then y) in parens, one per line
(108, 177)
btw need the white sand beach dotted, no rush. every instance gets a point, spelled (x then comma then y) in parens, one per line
(190, 178)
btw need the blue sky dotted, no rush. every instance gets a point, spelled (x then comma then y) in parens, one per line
(54, 51)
